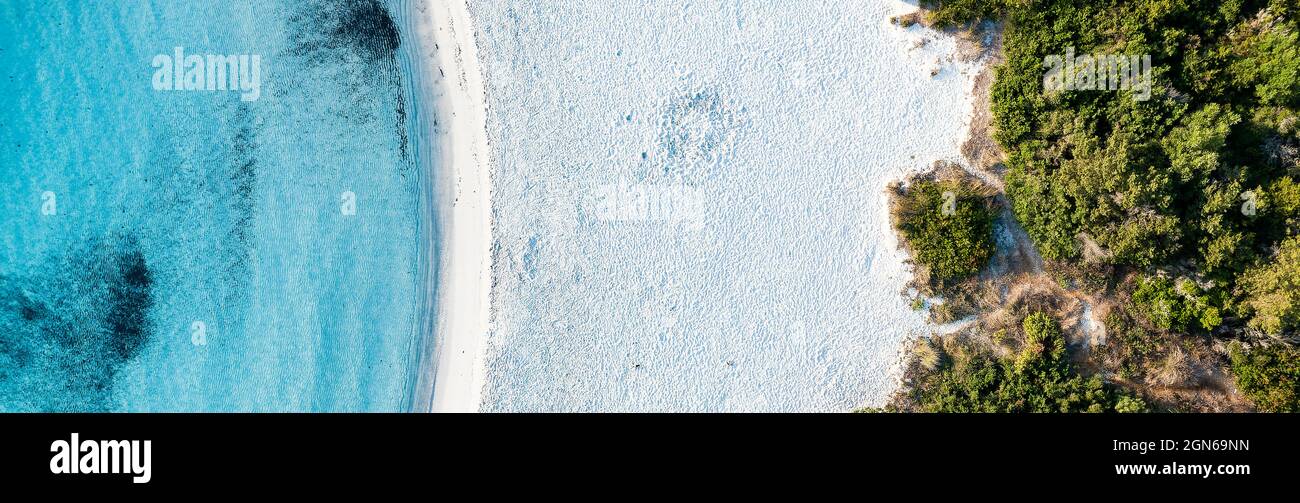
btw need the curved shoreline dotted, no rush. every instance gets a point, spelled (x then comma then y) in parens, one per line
(451, 376)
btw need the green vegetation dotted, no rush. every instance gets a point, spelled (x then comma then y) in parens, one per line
(1273, 291)
(1037, 378)
(1137, 346)
(1269, 376)
(1198, 182)
(956, 12)
(1182, 308)
(1163, 180)
(948, 226)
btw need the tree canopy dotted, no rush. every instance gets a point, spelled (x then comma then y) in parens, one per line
(1199, 178)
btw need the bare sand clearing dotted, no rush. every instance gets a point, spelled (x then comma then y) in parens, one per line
(786, 298)
(689, 208)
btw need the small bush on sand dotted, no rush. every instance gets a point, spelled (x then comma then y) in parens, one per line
(947, 225)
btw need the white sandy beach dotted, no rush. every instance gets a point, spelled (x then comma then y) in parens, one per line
(446, 38)
(783, 290)
(777, 286)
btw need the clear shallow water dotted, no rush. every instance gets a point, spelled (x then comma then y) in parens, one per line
(179, 207)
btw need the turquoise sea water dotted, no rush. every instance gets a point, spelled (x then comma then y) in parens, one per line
(188, 250)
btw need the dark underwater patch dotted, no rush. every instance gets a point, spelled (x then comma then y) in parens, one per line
(362, 26)
(242, 175)
(325, 32)
(67, 328)
(367, 26)
(131, 297)
(238, 196)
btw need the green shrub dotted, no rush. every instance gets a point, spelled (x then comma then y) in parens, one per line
(1136, 346)
(1283, 203)
(1038, 379)
(1269, 62)
(1201, 175)
(1180, 308)
(955, 12)
(1273, 291)
(1130, 404)
(1270, 376)
(1153, 182)
(951, 237)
